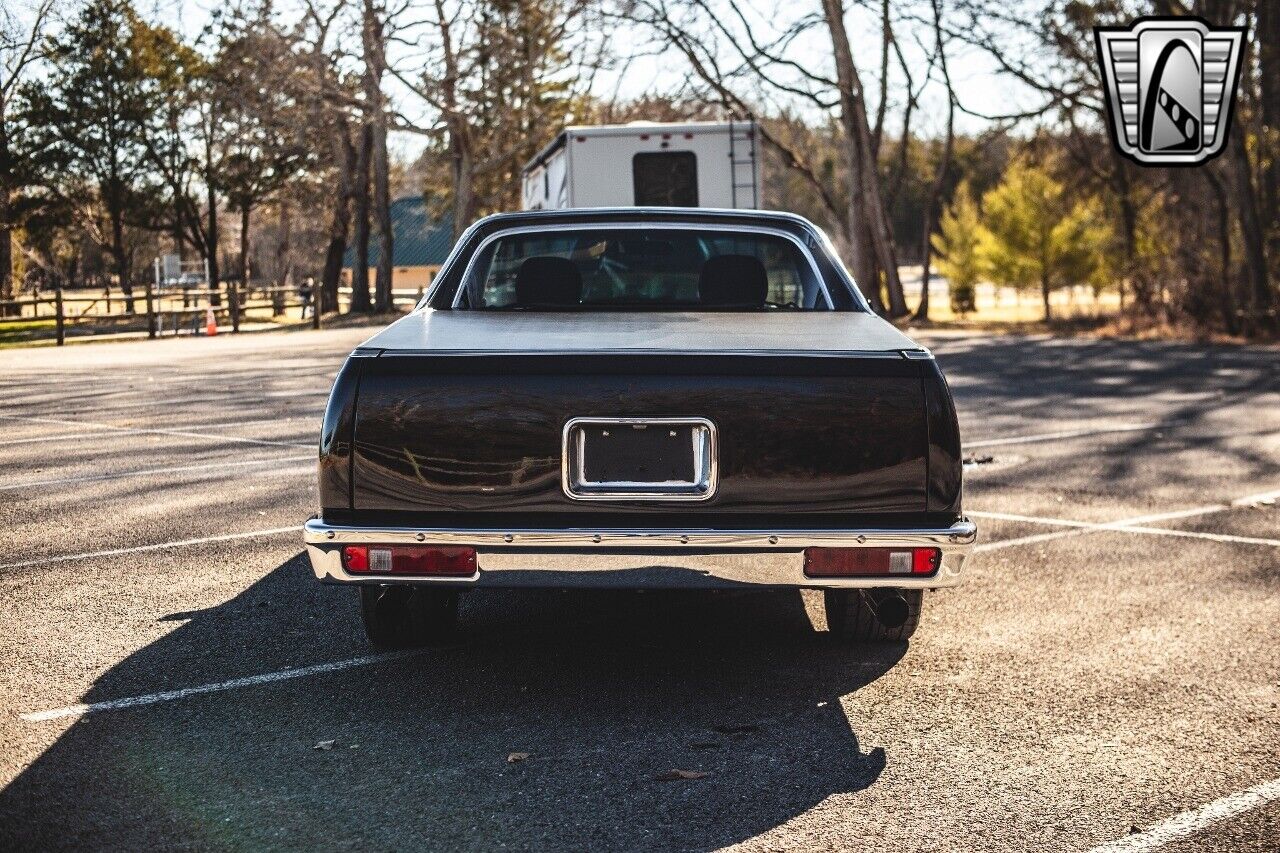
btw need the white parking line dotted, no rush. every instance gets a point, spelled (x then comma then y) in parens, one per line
(313, 425)
(1134, 525)
(1260, 498)
(147, 472)
(1182, 825)
(1079, 528)
(1054, 436)
(159, 546)
(145, 431)
(183, 693)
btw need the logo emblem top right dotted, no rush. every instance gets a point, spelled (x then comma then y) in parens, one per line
(1170, 86)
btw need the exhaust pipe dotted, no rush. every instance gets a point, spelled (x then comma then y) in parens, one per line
(888, 606)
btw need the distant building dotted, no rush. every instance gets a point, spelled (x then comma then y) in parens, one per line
(419, 246)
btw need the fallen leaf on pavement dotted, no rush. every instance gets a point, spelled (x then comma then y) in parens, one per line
(324, 744)
(517, 756)
(676, 775)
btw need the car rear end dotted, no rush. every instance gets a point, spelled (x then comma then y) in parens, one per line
(625, 449)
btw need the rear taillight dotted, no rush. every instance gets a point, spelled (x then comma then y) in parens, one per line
(409, 560)
(859, 562)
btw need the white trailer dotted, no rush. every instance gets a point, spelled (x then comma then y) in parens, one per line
(646, 164)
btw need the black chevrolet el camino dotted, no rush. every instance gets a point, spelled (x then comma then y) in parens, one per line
(640, 398)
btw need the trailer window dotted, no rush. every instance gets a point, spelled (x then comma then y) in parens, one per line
(665, 179)
(634, 269)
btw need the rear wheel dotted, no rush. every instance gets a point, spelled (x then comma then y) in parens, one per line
(872, 615)
(401, 617)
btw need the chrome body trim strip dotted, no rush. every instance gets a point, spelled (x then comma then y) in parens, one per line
(642, 558)
(705, 462)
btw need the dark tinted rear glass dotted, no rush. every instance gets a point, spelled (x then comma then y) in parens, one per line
(644, 269)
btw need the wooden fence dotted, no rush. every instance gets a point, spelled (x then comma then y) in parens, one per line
(168, 310)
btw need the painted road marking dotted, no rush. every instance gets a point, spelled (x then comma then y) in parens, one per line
(1260, 498)
(233, 684)
(1182, 825)
(1054, 436)
(159, 546)
(1128, 528)
(313, 424)
(1075, 528)
(144, 431)
(1079, 528)
(147, 472)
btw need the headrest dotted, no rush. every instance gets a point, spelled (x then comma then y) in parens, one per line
(733, 281)
(547, 282)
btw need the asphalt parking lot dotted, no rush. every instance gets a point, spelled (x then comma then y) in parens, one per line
(174, 677)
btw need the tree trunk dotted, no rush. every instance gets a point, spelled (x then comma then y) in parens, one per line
(1227, 299)
(886, 39)
(464, 198)
(940, 177)
(1251, 228)
(211, 233)
(374, 42)
(866, 205)
(179, 233)
(244, 252)
(382, 208)
(7, 289)
(339, 220)
(6, 256)
(1268, 39)
(120, 257)
(360, 274)
(284, 260)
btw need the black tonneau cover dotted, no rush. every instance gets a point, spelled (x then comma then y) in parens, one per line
(458, 332)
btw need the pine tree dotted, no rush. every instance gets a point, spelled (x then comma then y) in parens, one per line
(96, 112)
(1035, 235)
(957, 244)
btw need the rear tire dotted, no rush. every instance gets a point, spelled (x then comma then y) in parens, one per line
(872, 615)
(403, 616)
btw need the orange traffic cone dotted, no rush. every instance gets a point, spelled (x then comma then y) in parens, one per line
(210, 322)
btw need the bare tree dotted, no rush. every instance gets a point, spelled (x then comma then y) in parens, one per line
(373, 32)
(933, 201)
(360, 301)
(705, 35)
(500, 78)
(331, 103)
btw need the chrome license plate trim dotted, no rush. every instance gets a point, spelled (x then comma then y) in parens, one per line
(705, 463)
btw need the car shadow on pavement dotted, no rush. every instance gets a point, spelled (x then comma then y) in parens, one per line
(606, 693)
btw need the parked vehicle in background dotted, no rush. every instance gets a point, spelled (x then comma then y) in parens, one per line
(646, 164)
(642, 399)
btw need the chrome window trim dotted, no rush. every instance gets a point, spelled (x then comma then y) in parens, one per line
(637, 226)
(834, 257)
(449, 262)
(706, 463)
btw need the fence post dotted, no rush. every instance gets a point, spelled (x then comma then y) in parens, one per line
(62, 330)
(233, 299)
(151, 312)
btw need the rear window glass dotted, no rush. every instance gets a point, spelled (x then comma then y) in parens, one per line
(633, 269)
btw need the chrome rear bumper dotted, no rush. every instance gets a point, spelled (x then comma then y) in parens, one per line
(641, 558)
